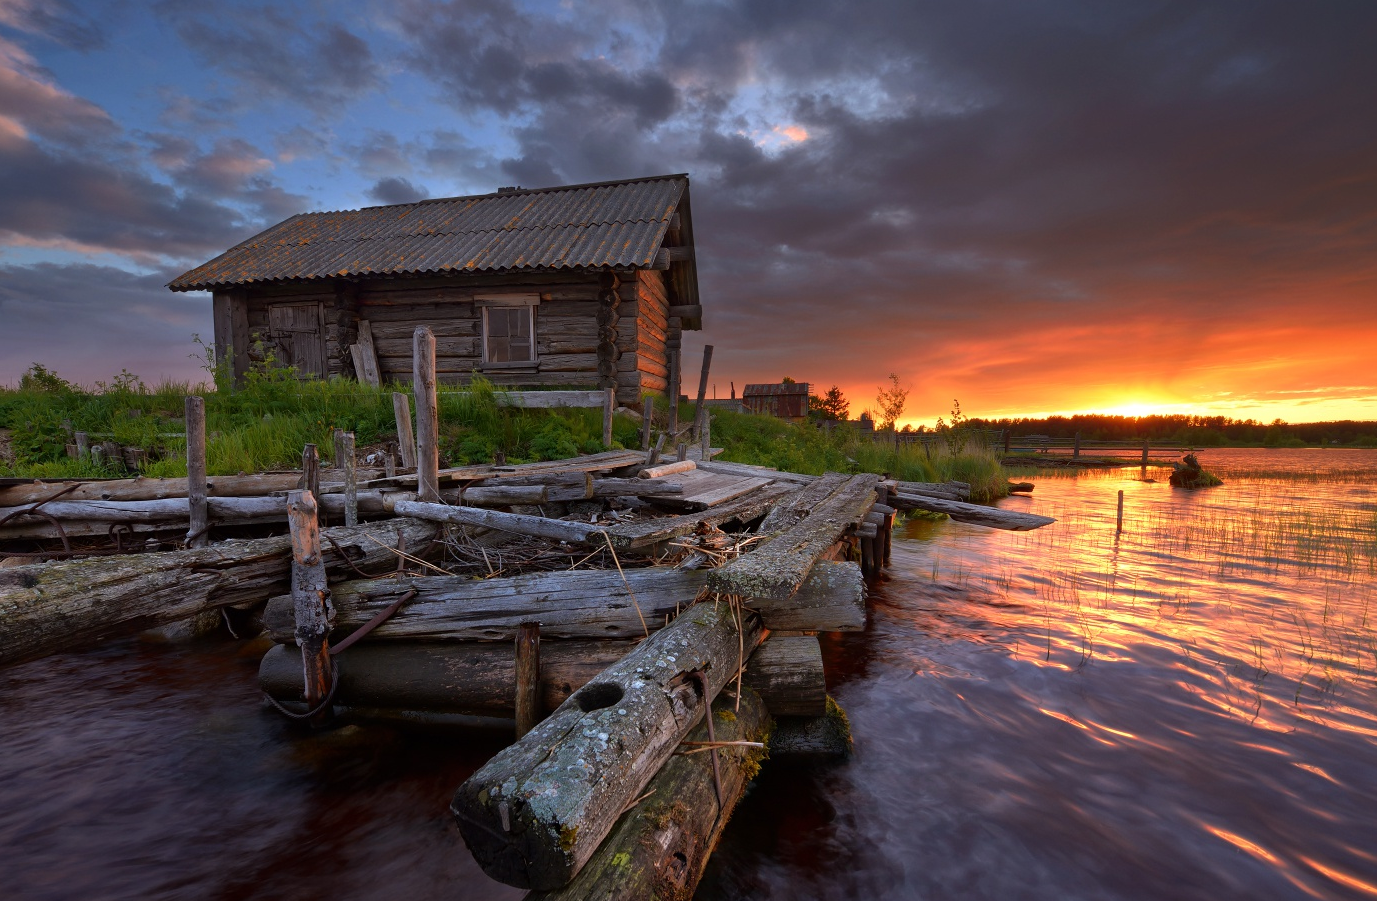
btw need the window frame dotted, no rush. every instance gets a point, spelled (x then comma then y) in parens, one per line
(505, 302)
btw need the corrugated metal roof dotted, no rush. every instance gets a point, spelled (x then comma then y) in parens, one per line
(606, 224)
(775, 390)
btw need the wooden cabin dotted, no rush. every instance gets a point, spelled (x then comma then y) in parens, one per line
(581, 286)
(788, 400)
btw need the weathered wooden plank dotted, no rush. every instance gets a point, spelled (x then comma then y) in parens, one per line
(584, 604)
(50, 607)
(795, 509)
(638, 535)
(368, 355)
(536, 812)
(747, 469)
(427, 417)
(549, 399)
(976, 514)
(660, 847)
(776, 567)
(539, 526)
(789, 670)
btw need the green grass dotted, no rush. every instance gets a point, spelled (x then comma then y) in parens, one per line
(264, 425)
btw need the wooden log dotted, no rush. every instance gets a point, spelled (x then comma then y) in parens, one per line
(536, 812)
(648, 533)
(450, 677)
(549, 400)
(75, 604)
(146, 489)
(556, 529)
(636, 487)
(794, 509)
(583, 604)
(687, 311)
(351, 481)
(427, 417)
(788, 669)
(498, 495)
(660, 847)
(975, 514)
(312, 612)
(406, 439)
(953, 491)
(746, 469)
(310, 470)
(198, 527)
(776, 567)
(667, 469)
(527, 695)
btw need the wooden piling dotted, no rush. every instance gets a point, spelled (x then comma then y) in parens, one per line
(1076, 450)
(1143, 474)
(1006, 441)
(609, 405)
(310, 600)
(702, 391)
(351, 481)
(427, 417)
(197, 488)
(527, 678)
(1119, 524)
(406, 439)
(310, 470)
(683, 452)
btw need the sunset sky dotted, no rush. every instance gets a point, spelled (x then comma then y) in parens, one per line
(1032, 207)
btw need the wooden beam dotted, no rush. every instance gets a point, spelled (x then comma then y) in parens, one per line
(406, 438)
(976, 514)
(427, 417)
(198, 513)
(539, 526)
(536, 812)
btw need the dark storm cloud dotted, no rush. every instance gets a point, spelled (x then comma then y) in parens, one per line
(304, 60)
(396, 190)
(108, 318)
(964, 163)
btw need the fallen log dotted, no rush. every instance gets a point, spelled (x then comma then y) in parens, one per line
(539, 526)
(143, 489)
(535, 813)
(585, 604)
(501, 495)
(776, 567)
(788, 670)
(794, 509)
(976, 514)
(649, 532)
(660, 847)
(668, 469)
(956, 491)
(46, 608)
(748, 469)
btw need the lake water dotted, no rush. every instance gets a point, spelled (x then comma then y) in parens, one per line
(1188, 711)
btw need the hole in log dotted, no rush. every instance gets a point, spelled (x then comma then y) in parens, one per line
(598, 695)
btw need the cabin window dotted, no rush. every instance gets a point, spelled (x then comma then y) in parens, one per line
(509, 330)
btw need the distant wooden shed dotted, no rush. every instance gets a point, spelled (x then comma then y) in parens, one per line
(785, 401)
(580, 286)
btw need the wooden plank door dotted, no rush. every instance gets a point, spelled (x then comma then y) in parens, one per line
(298, 329)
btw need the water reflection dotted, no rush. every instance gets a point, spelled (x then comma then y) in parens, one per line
(1185, 712)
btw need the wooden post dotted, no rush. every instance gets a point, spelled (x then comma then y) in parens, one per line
(702, 390)
(887, 530)
(1143, 474)
(683, 452)
(337, 457)
(310, 598)
(609, 404)
(673, 341)
(527, 678)
(654, 456)
(1076, 450)
(1006, 440)
(351, 482)
(427, 417)
(406, 439)
(83, 446)
(196, 487)
(310, 470)
(707, 436)
(390, 461)
(648, 414)
(1119, 525)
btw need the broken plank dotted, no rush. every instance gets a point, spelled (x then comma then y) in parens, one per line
(975, 514)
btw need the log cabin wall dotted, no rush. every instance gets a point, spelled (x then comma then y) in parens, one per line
(566, 328)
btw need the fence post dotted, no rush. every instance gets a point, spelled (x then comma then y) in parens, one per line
(196, 486)
(406, 439)
(1119, 524)
(702, 388)
(351, 480)
(310, 599)
(427, 417)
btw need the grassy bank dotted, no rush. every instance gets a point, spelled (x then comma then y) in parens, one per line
(264, 426)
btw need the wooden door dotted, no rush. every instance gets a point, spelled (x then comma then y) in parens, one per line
(298, 329)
